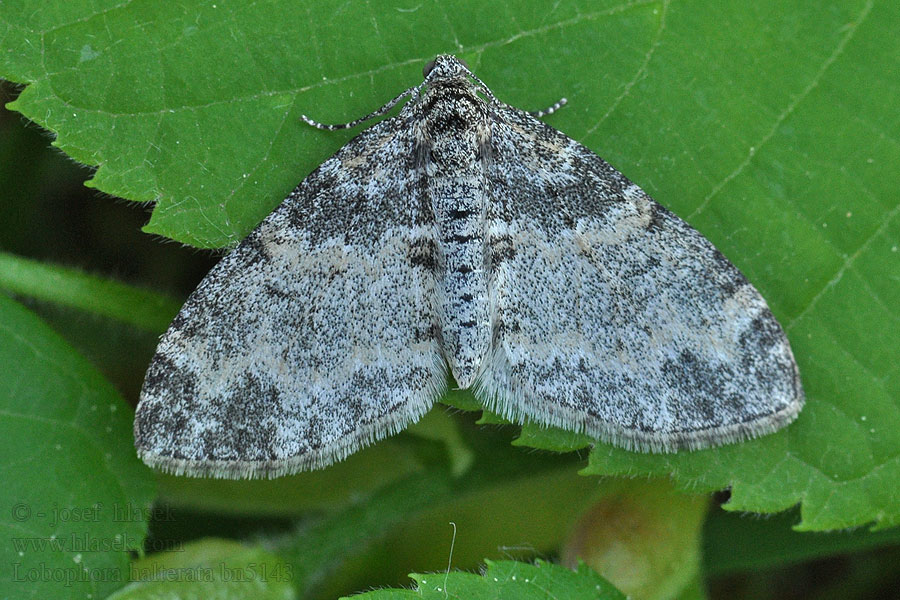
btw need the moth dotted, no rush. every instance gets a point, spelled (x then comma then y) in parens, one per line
(462, 236)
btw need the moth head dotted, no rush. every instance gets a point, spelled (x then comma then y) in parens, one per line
(445, 66)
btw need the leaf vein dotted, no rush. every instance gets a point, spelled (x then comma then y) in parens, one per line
(789, 110)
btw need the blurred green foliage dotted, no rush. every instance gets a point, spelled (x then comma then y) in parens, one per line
(770, 127)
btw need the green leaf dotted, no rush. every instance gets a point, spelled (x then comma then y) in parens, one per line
(507, 579)
(211, 568)
(75, 498)
(551, 438)
(765, 125)
(734, 542)
(146, 310)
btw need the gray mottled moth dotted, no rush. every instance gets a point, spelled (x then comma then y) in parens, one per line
(465, 235)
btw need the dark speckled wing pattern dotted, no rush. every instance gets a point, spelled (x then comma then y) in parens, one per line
(315, 335)
(612, 315)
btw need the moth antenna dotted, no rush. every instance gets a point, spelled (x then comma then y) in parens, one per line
(413, 91)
